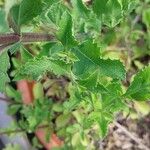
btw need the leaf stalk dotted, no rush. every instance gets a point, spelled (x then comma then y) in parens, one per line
(10, 38)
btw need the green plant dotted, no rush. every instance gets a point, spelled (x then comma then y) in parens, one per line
(88, 85)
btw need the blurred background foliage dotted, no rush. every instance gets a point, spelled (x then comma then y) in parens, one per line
(130, 42)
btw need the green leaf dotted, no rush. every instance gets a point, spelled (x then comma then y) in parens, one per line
(13, 109)
(39, 66)
(99, 7)
(25, 55)
(26, 11)
(90, 82)
(80, 8)
(111, 100)
(87, 52)
(129, 5)
(89, 61)
(110, 11)
(65, 33)
(35, 114)
(74, 100)
(62, 120)
(15, 47)
(29, 10)
(4, 66)
(12, 93)
(140, 86)
(51, 2)
(3, 25)
(103, 125)
(114, 13)
(112, 68)
(55, 13)
(3, 80)
(146, 17)
(14, 17)
(38, 91)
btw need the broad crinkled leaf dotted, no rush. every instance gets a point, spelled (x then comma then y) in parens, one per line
(140, 87)
(89, 61)
(25, 11)
(99, 7)
(38, 66)
(87, 52)
(112, 68)
(28, 10)
(4, 65)
(65, 33)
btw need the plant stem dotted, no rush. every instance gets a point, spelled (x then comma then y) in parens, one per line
(10, 38)
(36, 37)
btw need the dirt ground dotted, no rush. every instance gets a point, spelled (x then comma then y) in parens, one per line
(131, 135)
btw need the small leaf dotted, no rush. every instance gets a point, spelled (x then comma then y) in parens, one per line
(140, 86)
(114, 13)
(90, 82)
(15, 47)
(12, 93)
(39, 66)
(112, 68)
(25, 55)
(103, 124)
(65, 33)
(62, 120)
(111, 100)
(13, 109)
(38, 91)
(4, 66)
(146, 17)
(110, 11)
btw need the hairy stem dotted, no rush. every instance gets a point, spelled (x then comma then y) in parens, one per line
(10, 38)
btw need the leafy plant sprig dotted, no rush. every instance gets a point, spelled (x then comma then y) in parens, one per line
(73, 50)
